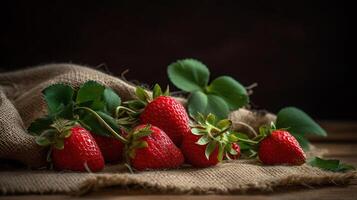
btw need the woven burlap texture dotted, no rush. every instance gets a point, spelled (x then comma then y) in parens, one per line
(21, 102)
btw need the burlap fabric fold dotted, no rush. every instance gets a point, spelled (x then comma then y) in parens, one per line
(21, 102)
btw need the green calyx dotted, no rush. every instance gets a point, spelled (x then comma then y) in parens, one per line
(56, 134)
(219, 134)
(265, 131)
(214, 134)
(128, 115)
(156, 92)
(143, 97)
(135, 142)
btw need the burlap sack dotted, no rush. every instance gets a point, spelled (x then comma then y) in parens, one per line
(21, 102)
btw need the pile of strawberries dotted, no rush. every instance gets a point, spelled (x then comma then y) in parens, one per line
(155, 132)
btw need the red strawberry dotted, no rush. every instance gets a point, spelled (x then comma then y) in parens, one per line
(111, 148)
(236, 148)
(167, 114)
(73, 147)
(280, 147)
(161, 111)
(206, 143)
(195, 153)
(150, 148)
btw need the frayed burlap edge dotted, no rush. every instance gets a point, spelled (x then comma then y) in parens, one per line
(100, 182)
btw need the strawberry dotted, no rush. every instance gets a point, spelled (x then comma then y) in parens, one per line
(162, 111)
(149, 147)
(72, 147)
(111, 148)
(168, 114)
(195, 153)
(206, 143)
(280, 147)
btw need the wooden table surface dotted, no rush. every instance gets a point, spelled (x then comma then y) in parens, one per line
(341, 144)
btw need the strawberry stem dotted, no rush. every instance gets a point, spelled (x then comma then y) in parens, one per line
(117, 109)
(249, 127)
(248, 141)
(104, 123)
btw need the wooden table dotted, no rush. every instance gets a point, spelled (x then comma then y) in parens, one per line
(341, 143)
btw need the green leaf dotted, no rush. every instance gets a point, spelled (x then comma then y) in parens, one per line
(224, 124)
(135, 104)
(211, 119)
(210, 148)
(232, 138)
(142, 94)
(230, 150)
(345, 167)
(197, 131)
(90, 121)
(39, 125)
(111, 99)
(233, 93)
(141, 144)
(199, 118)
(156, 92)
(167, 91)
(66, 111)
(330, 165)
(220, 152)
(47, 137)
(199, 102)
(42, 141)
(66, 134)
(89, 91)
(240, 135)
(203, 140)
(298, 122)
(188, 74)
(142, 132)
(57, 97)
(265, 130)
(59, 144)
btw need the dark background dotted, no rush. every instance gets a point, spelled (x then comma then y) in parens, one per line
(296, 50)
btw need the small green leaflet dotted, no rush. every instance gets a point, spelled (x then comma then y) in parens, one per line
(200, 102)
(157, 91)
(97, 97)
(222, 95)
(299, 124)
(203, 140)
(90, 95)
(57, 97)
(90, 122)
(111, 99)
(233, 93)
(39, 125)
(210, 148)
(188, 74)
(142, 94)
(330, 165)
